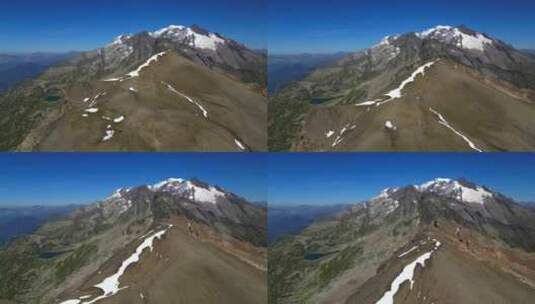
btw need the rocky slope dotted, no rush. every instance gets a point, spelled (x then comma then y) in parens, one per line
(405, 94)
(445, 241)
(141, 238)
(183, 88)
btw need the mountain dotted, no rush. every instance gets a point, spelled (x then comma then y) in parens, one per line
(15, 68)
(404, 94)
(176, 240)
(284, 69)
(444, 241)
(288, 220)
(175, 89)
(19, 221)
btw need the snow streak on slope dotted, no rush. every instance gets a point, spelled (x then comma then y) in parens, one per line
(154, 58)
(239, 144)
(407, 274)
(204, 112)
(445, 123)
(136, 72)
(407, 252)
(110, 285)
(396, 93)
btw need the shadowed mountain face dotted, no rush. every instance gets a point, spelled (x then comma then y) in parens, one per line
(404, 93)
(412, 243)
(182, 221)
(175, 89)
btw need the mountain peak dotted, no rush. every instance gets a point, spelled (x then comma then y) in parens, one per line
(460, 189)
(461, 37)
(193, 36)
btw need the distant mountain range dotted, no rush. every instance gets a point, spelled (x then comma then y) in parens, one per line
(19, 221)
(442, 241)
(153, 237)
(288, 220)
(284, 69)
(15, 68)
(174, 89)
(404, 94)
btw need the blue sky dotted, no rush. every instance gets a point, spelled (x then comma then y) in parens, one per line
(327, 178)
(64, 178)
(60, 25)
(346, 25)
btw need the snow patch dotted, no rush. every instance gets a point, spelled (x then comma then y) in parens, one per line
(131, 89)
(444, 122)
(390, 125)
(408, 251)
(239, 144)
(172, 89)
(396, 93)
(109, 134)
(147, 63)
(92, 110)
(118, 119)
(329, 133)
(407, 274)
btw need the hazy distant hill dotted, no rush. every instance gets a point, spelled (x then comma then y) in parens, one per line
(18, 221)
(285, 220)
(283, 69)
(18, 67)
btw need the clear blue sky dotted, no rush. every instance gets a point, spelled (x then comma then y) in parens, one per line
(64, 178)
(61, 25)
(326, 178)
(346, 25)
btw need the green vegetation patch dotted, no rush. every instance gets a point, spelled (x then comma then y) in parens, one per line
(337, 265)
(285, 114)
(74, 261)
(17, 271)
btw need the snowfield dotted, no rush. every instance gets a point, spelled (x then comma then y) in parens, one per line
(453, 187)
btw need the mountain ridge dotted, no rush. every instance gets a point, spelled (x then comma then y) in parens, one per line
(88, 244)
(395, 69)
(359, 255)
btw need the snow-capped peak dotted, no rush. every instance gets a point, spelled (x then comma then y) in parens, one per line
(121, 39)
(194, 38)
(459, 190)
(462, 38)
(387, 40)
(159, 185)
(385, 193)
(189, 189)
